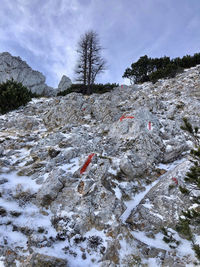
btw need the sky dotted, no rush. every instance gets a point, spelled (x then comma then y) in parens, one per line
(45, 33)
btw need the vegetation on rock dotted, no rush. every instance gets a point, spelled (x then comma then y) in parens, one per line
(96, 88)
(152, 69)
(190, 218)
(13, 95)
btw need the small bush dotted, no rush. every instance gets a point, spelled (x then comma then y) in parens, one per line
(184, 229)
(196, 248)
(12, 96)
(96, 88)
(94, 241)
(184, 190)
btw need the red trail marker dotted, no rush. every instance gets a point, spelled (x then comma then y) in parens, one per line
(126, 117)
(149, 126)
(87, 162)
(175, 180)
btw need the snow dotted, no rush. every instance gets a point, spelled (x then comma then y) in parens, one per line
(156, 243)
(118, 193)
(91, 258)
(157, 215)
(190, 144)
(112, 171)
(132, 204)
(125, 248)
(183, 249)
(15, 180)
(194, 206)
(72, 166)
(1, 262)
(147, 205)
(153, 262)
(13, 238)
(170, 166)
(114, 168)
(197, 239)
(40, 100)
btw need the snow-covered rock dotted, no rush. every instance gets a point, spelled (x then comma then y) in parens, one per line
(91, 180)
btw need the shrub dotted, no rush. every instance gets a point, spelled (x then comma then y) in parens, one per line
(96, 88)
(190, 218)
(12, 96)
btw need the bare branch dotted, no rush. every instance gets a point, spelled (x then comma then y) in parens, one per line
(90, 62)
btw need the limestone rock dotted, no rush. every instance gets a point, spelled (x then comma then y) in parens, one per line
(164, 203)
(50, 188)
(64, 83)
(15, 68)
(109, 210)
(41, 260)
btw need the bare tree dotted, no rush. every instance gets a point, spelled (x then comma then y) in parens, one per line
(90, 62)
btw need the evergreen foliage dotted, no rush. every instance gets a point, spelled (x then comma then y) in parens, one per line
(169, 238)
(184, 190)
(196, 248)
(96, 88)
(183, 228)
(151, 69)
(190, 218)
(13, 95)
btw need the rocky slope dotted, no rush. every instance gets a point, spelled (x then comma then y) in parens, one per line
(91, 181)
(17, 69)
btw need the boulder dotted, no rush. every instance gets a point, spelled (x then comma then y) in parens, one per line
(41, 260)
(50, 188)
(164, 203)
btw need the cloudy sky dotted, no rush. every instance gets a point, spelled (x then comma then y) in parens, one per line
(45, 33)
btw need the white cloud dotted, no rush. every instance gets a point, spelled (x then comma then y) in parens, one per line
(49, 30)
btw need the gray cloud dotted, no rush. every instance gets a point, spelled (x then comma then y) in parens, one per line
(45, 33)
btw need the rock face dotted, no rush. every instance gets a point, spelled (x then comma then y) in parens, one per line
(92, 180)
(14, 68)
(64, 83)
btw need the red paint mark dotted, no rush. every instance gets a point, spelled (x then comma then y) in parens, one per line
(126, 117)
(87, 162)
(122, 86)
(175, 180)
(84, 109)
(122, 117)
(149, 126)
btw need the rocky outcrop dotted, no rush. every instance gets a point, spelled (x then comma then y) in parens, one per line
(15, 68)
(64, 83)
(158, 210)
(92, 179)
